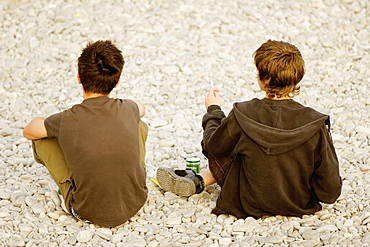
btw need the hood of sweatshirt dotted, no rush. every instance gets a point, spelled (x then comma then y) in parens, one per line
(278, 126)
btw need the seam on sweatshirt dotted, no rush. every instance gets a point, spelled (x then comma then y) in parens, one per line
(324, 150)
(277, 117)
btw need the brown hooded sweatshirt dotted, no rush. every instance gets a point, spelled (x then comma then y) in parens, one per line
(285, 159)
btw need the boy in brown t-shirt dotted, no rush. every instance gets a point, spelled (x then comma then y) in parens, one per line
(95, 150)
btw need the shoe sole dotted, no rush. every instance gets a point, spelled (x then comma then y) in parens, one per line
(62, 202)
(174, 183)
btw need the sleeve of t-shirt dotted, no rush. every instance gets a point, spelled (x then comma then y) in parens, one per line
(135, 108)
(52, 125)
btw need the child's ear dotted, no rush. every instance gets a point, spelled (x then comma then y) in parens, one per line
(261, 83)
(117, 83)
(78, 78)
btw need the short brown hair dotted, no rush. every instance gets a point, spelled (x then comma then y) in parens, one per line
(280, 67)
(100, 66)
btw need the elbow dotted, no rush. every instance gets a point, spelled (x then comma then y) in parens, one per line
(210, 150)
(332, 195)
(28, 136)
(331, 199)
(141, 108)
(142, 111)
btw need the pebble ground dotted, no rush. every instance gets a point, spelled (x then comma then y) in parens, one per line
(173, 50)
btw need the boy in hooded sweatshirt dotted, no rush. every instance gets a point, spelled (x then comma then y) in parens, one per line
(271, 156)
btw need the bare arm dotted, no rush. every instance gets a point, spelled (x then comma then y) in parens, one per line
(35, 129)
(141, 108)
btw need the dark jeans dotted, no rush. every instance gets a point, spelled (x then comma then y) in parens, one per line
(219, 167)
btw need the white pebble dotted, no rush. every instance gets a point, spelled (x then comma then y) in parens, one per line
(38, 208)
(30, 200)
(84, 236)
(104, 233)
(4, 194)
(225, 241)
(170, 69)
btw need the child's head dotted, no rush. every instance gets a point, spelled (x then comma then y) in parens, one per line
(100, 66)
(280, 68)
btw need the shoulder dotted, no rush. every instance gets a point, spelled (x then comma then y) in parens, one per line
(54, 117)
(122, 102)
(130, 104)
(119, 104)
(253, 103)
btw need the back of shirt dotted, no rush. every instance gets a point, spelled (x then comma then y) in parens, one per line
(100, 141)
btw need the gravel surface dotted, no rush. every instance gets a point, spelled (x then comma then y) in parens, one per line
(173, 49)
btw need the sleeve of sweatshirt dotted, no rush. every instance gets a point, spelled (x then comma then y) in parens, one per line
(217, 140)
(326, 180)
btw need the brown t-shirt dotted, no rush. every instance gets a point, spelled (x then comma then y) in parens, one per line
(100, 141)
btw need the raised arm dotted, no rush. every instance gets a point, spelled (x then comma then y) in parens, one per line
(217, 140)
(35, 129)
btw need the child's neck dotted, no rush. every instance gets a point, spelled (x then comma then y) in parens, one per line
(281, 98)
(88, 95)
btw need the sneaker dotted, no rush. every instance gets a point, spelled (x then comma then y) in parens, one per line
(180, 182)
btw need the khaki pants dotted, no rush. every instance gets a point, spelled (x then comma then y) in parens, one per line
(48, 152)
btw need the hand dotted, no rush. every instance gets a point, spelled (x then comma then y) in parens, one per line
(213, 98)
